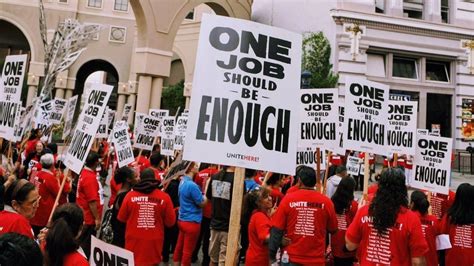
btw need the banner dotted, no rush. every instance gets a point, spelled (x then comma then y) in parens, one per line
(18, 133)
(308, 156)
(122, 144)
(59, 106)
(126, 112)
(352, 165)
(366, 114)
(180, 132)
(243, 104)
(106, 254)
(147, 131)
(167, 137)
(11, 83)
(432, 166)
(401, 129)
(71, 107)
(87, 126)
(318, 116)
(103, 130)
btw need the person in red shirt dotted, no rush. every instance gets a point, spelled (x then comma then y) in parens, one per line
(21, 202)
(48, 190)
(429, 224)
(346, 208)
(336, 159)
(141, 160)
(274, 183)
(146, 203)
(440, 203)
(19, 250)
(157, 162)
(459, 224)
(386, 231)
(62, 245)
(305, 216)
(90, 201)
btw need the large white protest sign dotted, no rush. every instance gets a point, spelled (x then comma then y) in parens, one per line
(138, 120)
(180, 132)
(353, 165)
(71, 107)
(87, 125)
(308, 156)
(366, 115)
(432, 166)
(160, 114)
(11, 83)
(401, 129)
(106, 254)
(126, 112)
(122, 144)
(103, 130)
(243, 104)
(318, 116)
(42, 121)
(59, 106)
(167, 136)
(147, 132)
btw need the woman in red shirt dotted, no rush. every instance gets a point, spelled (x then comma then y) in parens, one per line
(62, 245)
(346, 208)
(257, 209)
(387, 232)
(459, 224)
(274, 183)
(429, 224)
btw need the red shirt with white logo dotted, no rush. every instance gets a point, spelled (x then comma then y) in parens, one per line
(306, 216)
(397, 246)
(440, 203)
(88, 191)
(336, 160)
(462, 242)
(431, 228)
(201, 179)
(259, 231)
(75, 259)
(12, 222)
(338, 240)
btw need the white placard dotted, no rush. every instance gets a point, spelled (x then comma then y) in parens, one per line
(147, 132)
(243, 104)
(432, 165)
(107, 254)
(353, 165)
(167, 137)
(308, 156)
(42, 121)
(138, 120)
(366, 114)
(318, 116)
(111, 116)
(401, 129)
(59, 107)
(420, 131)
(122, 144)
(339, 148)
(18, 133)
(87, 125)
(126, 112)
(103, 130)
(180, 132)
(71, 107)
(159, 113)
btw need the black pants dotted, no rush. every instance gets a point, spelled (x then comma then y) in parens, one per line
(169, 244)
(204, 236)
(359, 182)
(244, 241)
(85, 238)
(343, 261)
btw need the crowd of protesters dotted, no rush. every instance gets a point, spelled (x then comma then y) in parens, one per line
(185, 217)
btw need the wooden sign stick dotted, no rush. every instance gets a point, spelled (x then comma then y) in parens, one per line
(366, 174)
(430, 209)
(235, 213)
(326, 173)
(395, 159)
(58, 196)
(318, 169)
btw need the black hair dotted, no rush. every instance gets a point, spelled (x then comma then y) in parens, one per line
(390, 196)
(21, 188)
(420, 202)
(274, 178)
(203, 166)
(92, 158)
(136, 152)
(19, 250)
(307, 175)
(53, 147)
(341, 169)
(34, 133)
(462, 210)
(249, 173)
(145, 153)
(61, 239)
(147, 174)
(344, 195)
(332, 170)
(60, 165)
(122, 174)
(156, 158)
(250, 203)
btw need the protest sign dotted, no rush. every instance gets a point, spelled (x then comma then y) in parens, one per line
(71, 107)
(11, 83)
(106, 254)
(420, 131)
(42, 117)
(180, 132)
(432, 165)
(56, 114)
(87, 126)
(352, 165)
(138, 120)
(243, 104)
(318, 116)
(167, 137)
(308, 156)
(111, 115)
(401, 129)
(366, 114)
(339, 148)
(159, 113)
(18, 133)
(103, 130)
(122, 144)
(126, 112)
(147, 132)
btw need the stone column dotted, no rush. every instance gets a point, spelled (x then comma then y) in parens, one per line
(121, 103)
(59, 93)
(132, 99)
(144, 93)
(156, 90)
(68, 94)
(31, 94)
(423, 104)
(188, 86)
(394, 8)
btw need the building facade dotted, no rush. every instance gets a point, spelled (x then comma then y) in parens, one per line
(422, 49)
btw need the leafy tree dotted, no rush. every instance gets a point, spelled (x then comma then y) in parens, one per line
(172, 97)
(316, 55)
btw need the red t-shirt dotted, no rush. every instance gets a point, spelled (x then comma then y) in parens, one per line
(158, 174)
(30, 146)
(408, 164)
(48, 190)
(403, 241)
(114, 188)
(440, 203)
(306, 216)
(277, 196)
(338, 240)
(143, 162)
(201, 180)
(146, 215)
(258, 178)
(371, 158)
(88, 191)
(462, 242)
(336, 160)
(431, 228)
(292, 189)
(258, 230)
(12, 222)
(75, 259)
